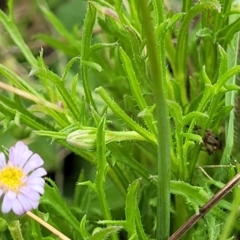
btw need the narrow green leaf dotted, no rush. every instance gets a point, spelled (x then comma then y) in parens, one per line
(54, 135)
(122, 115)
(228, 32)
(105, 233)
(232, 87)
(135, 88)
(131, 206)
(68, 66)
(89, 184)
(17, 81)
(17, 38)
(35, 230)
(58, 44)
(223, 113)
(98, 46)
(133, 82)
(192, 116)
(60, 28)
(119, 7)
(225, 77)
(53, 199)
(85, 50)
(28, 119)
(168, 23)
(92, 65)
(101, 171)
(50, 76)
(195, 196)
(192, 136)
(181, 49)
(205, 77)
(138, 59)
(176, 112)
(84, 233)
(223, 67)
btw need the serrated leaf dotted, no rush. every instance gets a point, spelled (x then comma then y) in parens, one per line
(87, 30)
(131, 206)
(68, 66)
(92, 65)
(192, 137)
(53, 199)
(97, 46)
(228, 32)
(204, 33)
(232, 87)
(84, 233)
(51, 134)
(223, 61)
(223, 112)
(89, 184)
(205, 77)
(195, 196)
(105, 233)
(192, 116)
(176, 111)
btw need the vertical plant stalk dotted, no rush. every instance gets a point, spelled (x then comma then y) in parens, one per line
(232, 53)
(15, 230)
(86, 42)
(157, 65)
(101, 171)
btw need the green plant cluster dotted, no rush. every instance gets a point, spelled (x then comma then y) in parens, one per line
(132, 92)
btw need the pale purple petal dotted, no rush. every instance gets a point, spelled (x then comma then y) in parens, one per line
(10, 195)
(2, 160)
(17, 207)
(39, 181)
(35, 204)
(36, 187)
(27, 197)
(33, 163)
(8, 201)
(6, 205)
(15, 153)
(32, 195)
(30, 201)
(40, 172)
(26, 155)
(26, 203)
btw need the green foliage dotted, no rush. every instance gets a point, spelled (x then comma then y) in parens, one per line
(130, 89)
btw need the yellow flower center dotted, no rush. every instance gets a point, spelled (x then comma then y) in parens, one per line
(11, 178)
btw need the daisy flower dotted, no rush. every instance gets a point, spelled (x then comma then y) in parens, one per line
(21, 181)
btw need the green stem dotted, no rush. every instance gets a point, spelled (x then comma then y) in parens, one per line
(15, 230)
(101, 172)
(156, 54)
(86, 42)
(186, 5)
(232, 217)
(232, 54)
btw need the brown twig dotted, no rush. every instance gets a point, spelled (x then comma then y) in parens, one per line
(208, 206)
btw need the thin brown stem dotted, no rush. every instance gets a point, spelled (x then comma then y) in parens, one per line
(207, 207)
